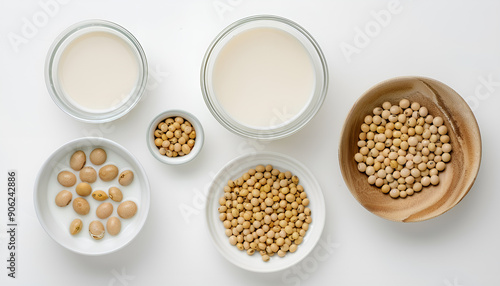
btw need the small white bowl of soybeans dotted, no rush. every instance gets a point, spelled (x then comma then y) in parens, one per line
(175, 137)
(410, 149)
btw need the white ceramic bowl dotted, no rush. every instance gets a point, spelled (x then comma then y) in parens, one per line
(200, 137)
(233, 170)
(56, 220)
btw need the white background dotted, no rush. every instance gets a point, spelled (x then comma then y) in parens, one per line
(456, 42)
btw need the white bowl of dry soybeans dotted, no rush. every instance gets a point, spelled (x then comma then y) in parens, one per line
(410, 149)
(92, 196)
(175, 137)
(265, 211)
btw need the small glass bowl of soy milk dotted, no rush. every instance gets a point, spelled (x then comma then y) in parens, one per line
(96, 71)
(264, 77)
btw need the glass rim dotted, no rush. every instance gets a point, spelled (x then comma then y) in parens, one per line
(63, 40)
(282, 130)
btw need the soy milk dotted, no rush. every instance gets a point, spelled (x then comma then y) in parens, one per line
(263, 77)
(98, 71)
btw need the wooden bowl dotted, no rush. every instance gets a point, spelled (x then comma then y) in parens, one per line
(460, 173)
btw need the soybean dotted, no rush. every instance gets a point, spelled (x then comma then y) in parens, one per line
(174, 137)
(66, 178)
(127, 209)
(63, 198)
(88, 174)
(83, 189)
(270, 212)
(126, 178)
(100, 195)
(96, 230)
(108, 173)
(115, 194)
(77, 160)
(98, 156)
(104, 210)
(408, 152)
(113, 225)
(81, 206)
(75, 226)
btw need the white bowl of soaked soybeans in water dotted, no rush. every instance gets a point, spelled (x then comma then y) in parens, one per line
(56, 220)
(454, 181)
(235, 169)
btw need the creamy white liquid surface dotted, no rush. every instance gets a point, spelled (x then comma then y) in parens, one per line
(98, 71)
(263, 77)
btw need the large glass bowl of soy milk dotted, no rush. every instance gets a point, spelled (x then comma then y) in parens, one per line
(264, 77)
(96, 71)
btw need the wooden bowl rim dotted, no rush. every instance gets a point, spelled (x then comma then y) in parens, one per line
(472, 121)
